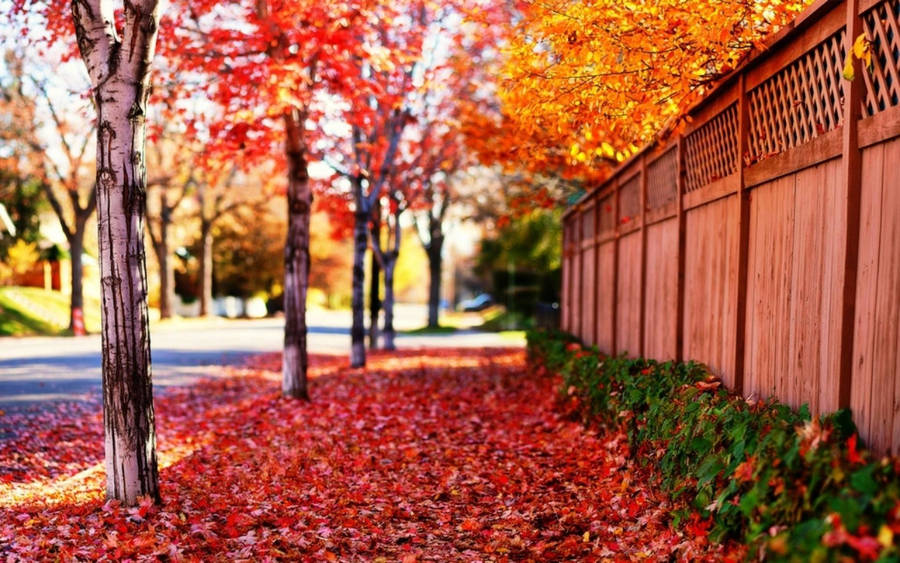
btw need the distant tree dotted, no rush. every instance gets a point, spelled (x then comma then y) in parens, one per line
(221, 190)
(248, 253)
(523, 257)
(31, 114)
(269, 71)
(331, 252)
(172, 179)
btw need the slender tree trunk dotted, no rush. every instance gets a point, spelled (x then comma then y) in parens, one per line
(434, 290)
(390, 263)
(76, 251)
(374, 283)
(166, 272)
(120, 73)
(296, 260)
(206, 267)
(374, 302)
(357, 329)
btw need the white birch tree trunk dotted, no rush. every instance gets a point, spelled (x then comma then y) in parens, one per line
(120, 71)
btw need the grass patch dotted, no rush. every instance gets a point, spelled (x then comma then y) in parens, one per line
(430, 330)
(30, 311)
(499, 320)
(518, 335)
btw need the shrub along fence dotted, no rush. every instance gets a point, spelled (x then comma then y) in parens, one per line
(764, 241)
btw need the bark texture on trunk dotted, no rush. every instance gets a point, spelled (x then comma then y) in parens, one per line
(374, 282)
(120, 72)
(296, 260)
(387, 260)
(206, 267)
(433, 251)
(390, 263)
(357, 329)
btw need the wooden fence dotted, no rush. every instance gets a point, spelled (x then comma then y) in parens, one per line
(765, 240)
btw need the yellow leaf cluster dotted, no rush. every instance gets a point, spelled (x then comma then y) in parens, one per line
(599, 77)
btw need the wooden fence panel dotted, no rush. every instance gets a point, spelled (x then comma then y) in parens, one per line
(588, 273)
(587, 302)
(875, 395)
(768, 287)
(565, 293)
(605, 305)
(661, 291)
(577, 289)
(817, 277)
(628, 308)
(710, 270)
(789, 326)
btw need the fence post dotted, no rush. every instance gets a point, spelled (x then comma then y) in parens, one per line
(597, 268)
(743, 242)
(642, 310)
(851, 171)
(615, 276)
(579, 222)
(564, 285)
(680, 222)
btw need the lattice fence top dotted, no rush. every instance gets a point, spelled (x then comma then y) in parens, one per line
(799, 103)
(587, 224)
(630, 200)
(710, 152)
(607, 215)
(662, 180)
(882, 25)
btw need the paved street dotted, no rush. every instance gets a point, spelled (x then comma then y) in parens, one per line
(40, 369)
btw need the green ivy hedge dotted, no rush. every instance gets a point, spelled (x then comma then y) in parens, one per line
(792, 487)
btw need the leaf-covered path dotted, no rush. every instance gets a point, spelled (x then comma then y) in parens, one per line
(441, 455)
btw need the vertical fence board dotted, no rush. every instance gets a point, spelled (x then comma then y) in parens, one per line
(887, 304)
(598, 289)
(805, 312)
(710, 263)
(832, 294)
(890, 307)
(587, 304)
(769, 268)
(605, 304)
(876, 396)
(660, 320)
(864, 358)
(628, 307)
(642, 288)
(564, 293)
(577, 288)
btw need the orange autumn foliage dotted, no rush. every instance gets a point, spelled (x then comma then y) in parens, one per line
(584, 83)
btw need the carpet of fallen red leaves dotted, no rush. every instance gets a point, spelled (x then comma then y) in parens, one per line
(441, 455)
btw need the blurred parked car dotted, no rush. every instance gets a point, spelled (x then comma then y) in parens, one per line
(477, 303)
